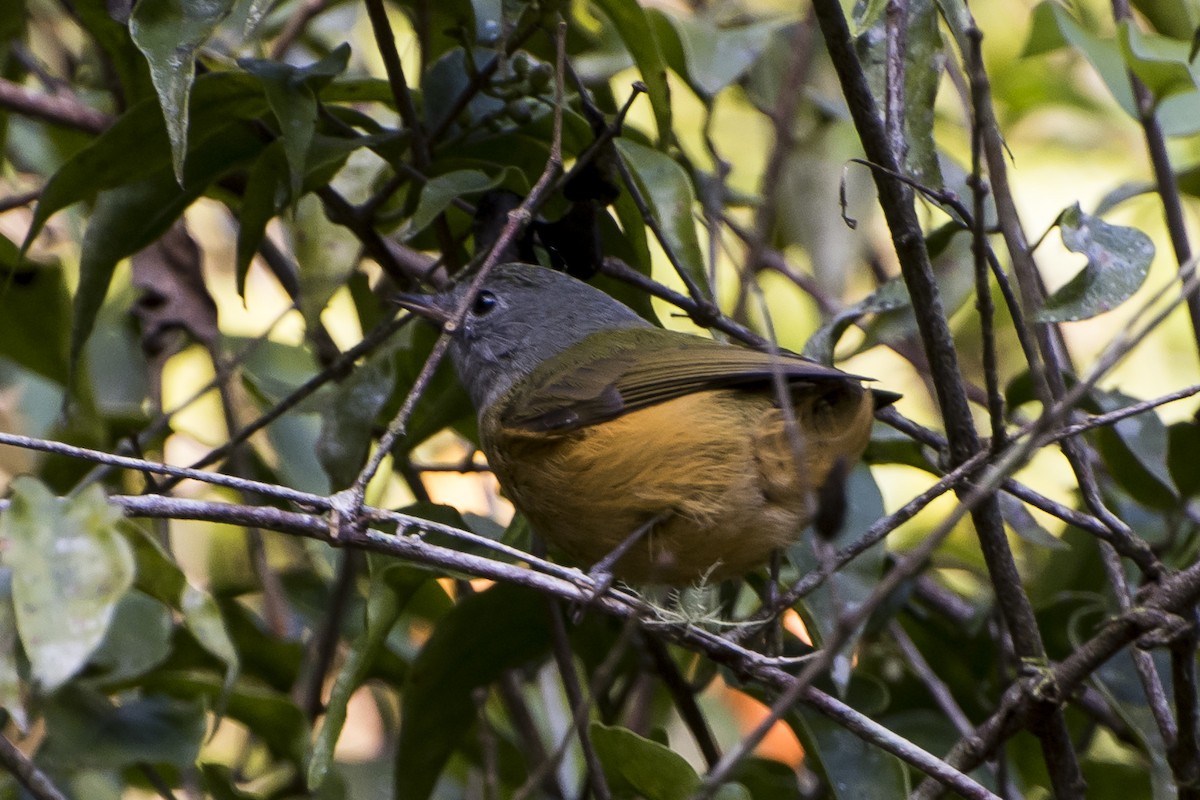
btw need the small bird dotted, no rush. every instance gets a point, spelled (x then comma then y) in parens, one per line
(665, 453)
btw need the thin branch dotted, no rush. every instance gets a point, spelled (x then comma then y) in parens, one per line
(1184, 753)
(295, 26)
(937, 688)
(684, 697)
(578, 700)
(59, 109)
(36, 782)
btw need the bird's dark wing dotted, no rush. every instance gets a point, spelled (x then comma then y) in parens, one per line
(625, 370)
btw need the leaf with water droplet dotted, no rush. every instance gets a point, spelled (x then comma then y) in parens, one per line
(169, 33)
(1118, 259)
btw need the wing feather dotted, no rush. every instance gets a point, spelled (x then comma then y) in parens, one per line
(630, 369)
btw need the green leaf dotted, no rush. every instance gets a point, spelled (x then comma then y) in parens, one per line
(348, 421)
(440, 192)
(1184, 445)
(1118, 260)
(1053, 28)
(635, 764)
(392, 585)
(11, 699)
(1135, 451)
(292, 94)
(70, 568)
(1117, 679)
(203, 619)
(717, 53)
(633, 25)
(135, 147)
(891, 296)
(485, 635)
(127, 63)
(853, 768)
(86, 730)
(326, 253)
(444, 403)
(265, 194)
(269, 713)
(1160, 63)
(923, 67)
(138, 640)
(763, 777)
(169, 32)
(668, 192)
(130, 217)
(34, 314)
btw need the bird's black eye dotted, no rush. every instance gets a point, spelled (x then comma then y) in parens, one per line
(484, 303)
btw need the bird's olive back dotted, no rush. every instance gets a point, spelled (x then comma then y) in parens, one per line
(523, 315)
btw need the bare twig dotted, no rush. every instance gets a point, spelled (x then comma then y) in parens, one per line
(60, 109)
(578, 700)
(36, 782)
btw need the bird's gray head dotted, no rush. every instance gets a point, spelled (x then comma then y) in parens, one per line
(521, 316)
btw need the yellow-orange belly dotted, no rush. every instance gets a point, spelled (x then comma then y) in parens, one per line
(717, 468)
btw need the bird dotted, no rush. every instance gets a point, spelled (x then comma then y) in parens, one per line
(663, 455)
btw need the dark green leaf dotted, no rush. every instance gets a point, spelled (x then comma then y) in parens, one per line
(1054, 27)
(1135, 450)
(668, 191)
(443, 403)
(853, 768)
(763, 777)
(891, 296)
(203, 619)
(718, 53)
(130, 217)
(1118, 260)
(440, 192)
(11, 693)
(483, 636)
(70, 568)
(635, 764)
(265, 194)
(86, 730)
(923, 65)
(1025, 525)
(292, 94)
(634, 27)
(1160, 63)
(169, 32)
(1184, 445)
(326, 253)
(161, 578)
(34, 314)
(270, 714)
(138, 640)
(136, 146)
(1118, 680)
(348, 422)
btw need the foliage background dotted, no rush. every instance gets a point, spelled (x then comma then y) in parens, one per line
(203, 210)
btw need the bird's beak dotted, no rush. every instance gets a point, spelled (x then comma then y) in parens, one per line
(424, 305)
